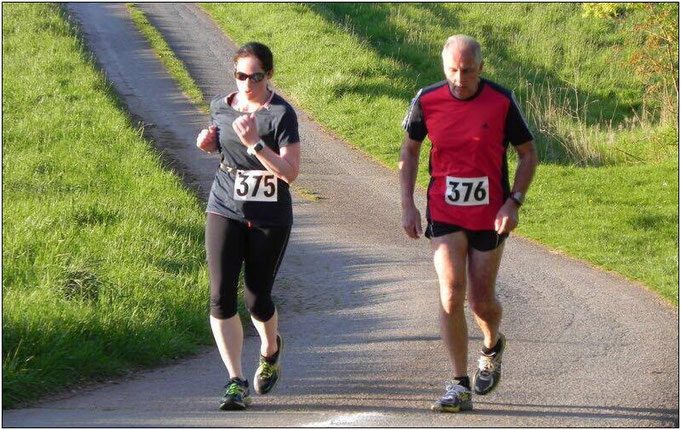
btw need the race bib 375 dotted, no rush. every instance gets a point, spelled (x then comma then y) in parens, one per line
(255, 185)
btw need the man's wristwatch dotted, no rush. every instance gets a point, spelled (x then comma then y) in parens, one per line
(256, 148)
(518, 198)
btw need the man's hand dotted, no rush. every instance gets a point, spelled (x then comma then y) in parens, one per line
(411, 222)
(207, 140)
(507, 218)
(246, 128)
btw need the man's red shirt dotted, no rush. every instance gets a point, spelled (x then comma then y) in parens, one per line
(468, 163)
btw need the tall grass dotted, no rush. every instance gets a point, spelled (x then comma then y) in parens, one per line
(607, 189)
(103, 259)
(561, 119)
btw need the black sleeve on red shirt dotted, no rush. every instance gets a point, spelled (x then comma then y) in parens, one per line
(413, 122)
(517, 131)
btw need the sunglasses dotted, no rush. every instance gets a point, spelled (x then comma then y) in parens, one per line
(255, 77)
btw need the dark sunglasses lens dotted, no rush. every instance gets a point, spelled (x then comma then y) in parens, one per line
(255, 77)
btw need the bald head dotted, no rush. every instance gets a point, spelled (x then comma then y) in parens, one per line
(463, 44)
(462, 64)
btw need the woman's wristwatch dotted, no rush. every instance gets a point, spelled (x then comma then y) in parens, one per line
(252, 150)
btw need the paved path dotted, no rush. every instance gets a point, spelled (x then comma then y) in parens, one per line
(358, 299)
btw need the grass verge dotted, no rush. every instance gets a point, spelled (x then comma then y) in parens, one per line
(174, 66)
(180, 74)
(104, 265)
(354, 68)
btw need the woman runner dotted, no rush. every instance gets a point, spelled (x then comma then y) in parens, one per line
(249, 215)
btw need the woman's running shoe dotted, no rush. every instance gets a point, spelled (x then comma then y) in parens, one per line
(268, 374)
(237, 395)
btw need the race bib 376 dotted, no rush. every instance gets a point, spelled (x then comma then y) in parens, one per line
(467, 191)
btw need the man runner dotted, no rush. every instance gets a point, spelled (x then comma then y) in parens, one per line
(471, 207)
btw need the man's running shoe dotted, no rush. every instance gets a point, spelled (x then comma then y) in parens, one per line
(267, 375)
(489, 369)
(237, 396)
(457, 398)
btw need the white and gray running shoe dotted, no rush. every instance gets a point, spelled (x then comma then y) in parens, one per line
(457, 398)
(488, 374)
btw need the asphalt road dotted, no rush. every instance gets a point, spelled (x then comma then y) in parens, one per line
(358, 299)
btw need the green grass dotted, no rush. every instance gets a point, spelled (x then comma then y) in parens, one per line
(103, 258)
(174, 66)
(607, 189)
(622, 218)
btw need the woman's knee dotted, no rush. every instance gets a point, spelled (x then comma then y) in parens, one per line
(261, 307)
(222, 307)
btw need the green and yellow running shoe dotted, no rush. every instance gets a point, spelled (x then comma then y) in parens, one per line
(268, 374)
(237, 395)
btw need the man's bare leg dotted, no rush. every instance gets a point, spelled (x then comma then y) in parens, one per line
(483, 267)
(449, 258)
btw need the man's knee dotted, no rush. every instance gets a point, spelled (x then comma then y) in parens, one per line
(452, 296)
(485, 307)
(452, 286)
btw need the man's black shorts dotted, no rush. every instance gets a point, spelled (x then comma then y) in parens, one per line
(484, 240)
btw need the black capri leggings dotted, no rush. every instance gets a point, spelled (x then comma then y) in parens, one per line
(229, 243)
